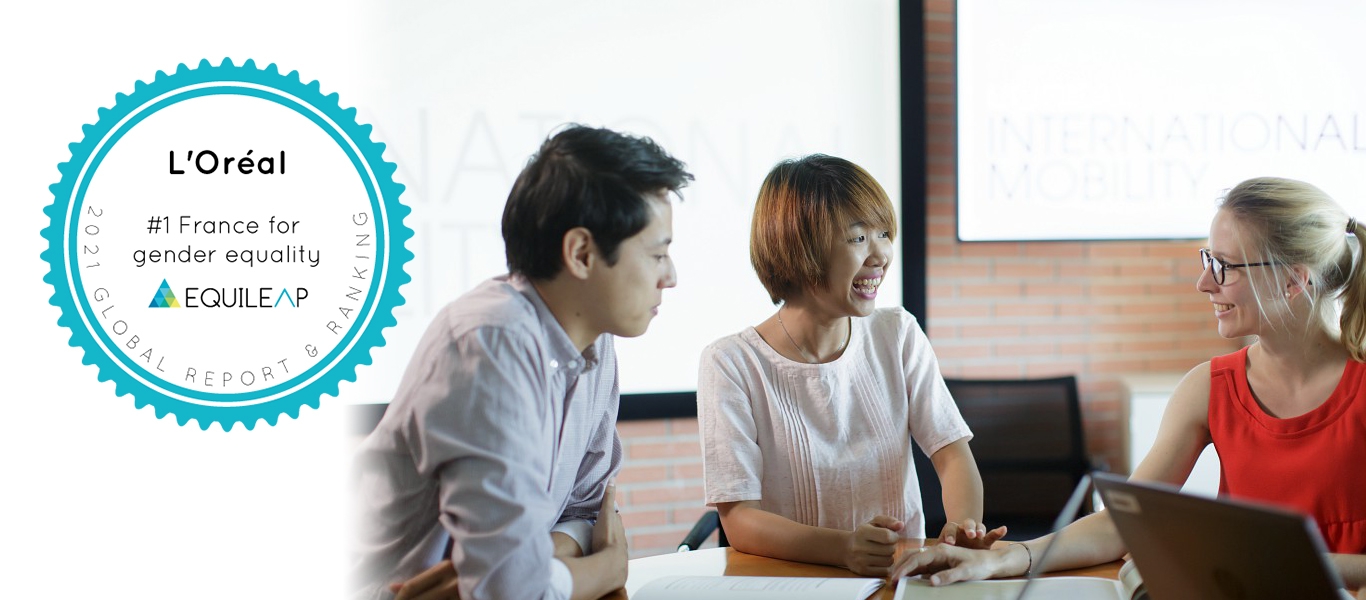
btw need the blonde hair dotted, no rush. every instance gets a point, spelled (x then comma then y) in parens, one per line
(801, 206)
(1294, 223)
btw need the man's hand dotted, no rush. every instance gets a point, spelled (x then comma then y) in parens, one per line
(436, 583)
(609, 537)
(946, 564)
(872, 546)
(970, 534)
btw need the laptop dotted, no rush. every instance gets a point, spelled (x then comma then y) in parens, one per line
(1194, 547)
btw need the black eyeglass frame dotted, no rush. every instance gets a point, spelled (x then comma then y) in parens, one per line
(1207, 261)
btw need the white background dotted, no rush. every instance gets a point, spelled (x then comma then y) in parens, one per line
(1245, 80)
(101, 499)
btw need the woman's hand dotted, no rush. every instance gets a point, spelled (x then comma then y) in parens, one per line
(944, 564)
(970, 534)
(872, 546)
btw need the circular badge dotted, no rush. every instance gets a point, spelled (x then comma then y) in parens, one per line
(226, 244)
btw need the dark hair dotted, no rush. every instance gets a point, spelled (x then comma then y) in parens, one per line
(584, 177)
(802, 204)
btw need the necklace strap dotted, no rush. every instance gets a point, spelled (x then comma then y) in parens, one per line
(807, 356)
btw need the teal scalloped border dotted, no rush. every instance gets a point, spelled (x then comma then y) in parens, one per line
(392, 264)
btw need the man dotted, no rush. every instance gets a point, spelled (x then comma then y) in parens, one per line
(502, 436)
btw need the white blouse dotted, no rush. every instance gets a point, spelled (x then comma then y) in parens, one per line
(826, 445)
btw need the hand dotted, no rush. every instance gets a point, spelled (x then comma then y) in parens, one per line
(436, 583)
(872, 546)
(970, 534)
(946, 564)
(609, 536)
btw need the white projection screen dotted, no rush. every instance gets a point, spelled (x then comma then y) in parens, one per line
(1128, 119)
(464, 92)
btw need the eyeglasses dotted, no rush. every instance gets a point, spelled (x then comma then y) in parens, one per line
(1219, 269)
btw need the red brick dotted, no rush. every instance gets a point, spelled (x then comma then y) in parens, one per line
(1111, 290)
(937, 249)
(683, 426)
(1054, 368)
(1171, 289)
(939, 7)
(939, 66)
(1023, 350)
(942, 230)
(1115, 366)
(1160, 269)
(989, 249)
(663, 450)
(1148, 346)
(1118, 250)
(1088, 271)
(633, 518)
(1037, 270)
(688, 515)
(946, 189)
(1119, 328)
(959, 310)
(1174, 365)
(938, 47)
(955, 269)
(1000, 371)
(989, 290)
(1013, 309)
(939, 25)
(685, 472)
(944, 130)
(634, 429)
(1156, 308)
(939, 88)
(1055, 249)
(958, 352)
(669, 494)
(1001, 331)
(939, 331)
(631, 473)
(1186, 251)
(1054, 290)
(1039, 329)
(941, 168)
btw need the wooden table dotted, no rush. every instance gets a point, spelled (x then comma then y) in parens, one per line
(727, 561)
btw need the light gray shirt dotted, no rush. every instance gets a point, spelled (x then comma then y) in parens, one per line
(501, 432)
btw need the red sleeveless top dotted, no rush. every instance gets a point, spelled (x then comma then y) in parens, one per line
(1314, 463)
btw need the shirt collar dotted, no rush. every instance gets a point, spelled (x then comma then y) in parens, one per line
(561, 353)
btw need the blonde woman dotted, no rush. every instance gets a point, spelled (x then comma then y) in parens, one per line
(1286, 414)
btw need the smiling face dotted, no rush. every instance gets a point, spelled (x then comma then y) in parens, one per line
(630, 291)
(857, 263)
(1235, 302)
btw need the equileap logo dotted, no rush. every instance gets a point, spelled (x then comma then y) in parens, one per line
(164, 298)
(235, 297)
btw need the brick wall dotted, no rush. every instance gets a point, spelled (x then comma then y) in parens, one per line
(1098, 310)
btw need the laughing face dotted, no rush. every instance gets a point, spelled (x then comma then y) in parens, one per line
(1235, 301)
(858, 261)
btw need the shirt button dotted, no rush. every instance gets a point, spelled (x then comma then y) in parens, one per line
(554, 364)
(573, 364)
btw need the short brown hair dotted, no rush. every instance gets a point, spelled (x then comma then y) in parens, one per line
(802, 206)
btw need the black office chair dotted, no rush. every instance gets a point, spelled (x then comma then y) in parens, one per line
(1029, 448)
(709, 521)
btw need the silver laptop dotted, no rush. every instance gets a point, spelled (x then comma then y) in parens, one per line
(1193, 547)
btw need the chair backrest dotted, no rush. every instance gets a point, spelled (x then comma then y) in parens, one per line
(1027, 440)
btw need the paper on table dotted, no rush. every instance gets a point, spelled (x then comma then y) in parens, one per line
(1073, 588)
(719, 587)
